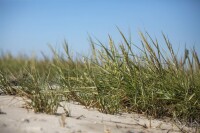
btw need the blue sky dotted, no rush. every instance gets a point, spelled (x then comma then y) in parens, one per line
(27, 26)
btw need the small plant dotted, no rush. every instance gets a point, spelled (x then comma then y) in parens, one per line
(62, 120)
(42, 97)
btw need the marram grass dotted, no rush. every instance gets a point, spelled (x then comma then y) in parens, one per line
(113, 79)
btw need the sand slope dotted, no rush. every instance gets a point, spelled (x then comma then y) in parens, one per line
(15, 119)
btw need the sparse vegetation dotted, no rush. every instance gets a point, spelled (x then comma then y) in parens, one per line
(113, 79)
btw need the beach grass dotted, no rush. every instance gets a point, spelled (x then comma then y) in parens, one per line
(114, 79)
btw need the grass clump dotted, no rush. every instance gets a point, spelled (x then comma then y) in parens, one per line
(113, 79)
(151, 82)
(31, 79)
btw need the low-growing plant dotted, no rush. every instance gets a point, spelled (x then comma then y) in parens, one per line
(31, 80)
(113, 79)
(150, 82)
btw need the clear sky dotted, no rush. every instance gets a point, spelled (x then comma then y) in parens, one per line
(29, 25)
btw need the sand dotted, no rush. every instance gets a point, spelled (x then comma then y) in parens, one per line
(16, 119)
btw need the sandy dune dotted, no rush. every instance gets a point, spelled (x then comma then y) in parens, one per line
(16, 119)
